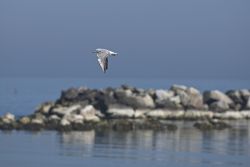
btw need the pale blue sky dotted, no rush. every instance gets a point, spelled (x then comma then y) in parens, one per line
(162, 38)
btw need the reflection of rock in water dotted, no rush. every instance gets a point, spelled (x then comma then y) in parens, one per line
(77, 143)
(158, 145)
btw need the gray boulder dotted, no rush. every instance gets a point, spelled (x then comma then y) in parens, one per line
(219, 106)
(10, 117)
(61, 110)
(115, 111)
(247, 106)
(190, 97)
(167, 99)
(235, 95)
(245, 94)
(216, 95)
(24, 120)
(44, 108)
(90, 114)
(163, 94)
(178, 88)
(74, 118)
(128, 98)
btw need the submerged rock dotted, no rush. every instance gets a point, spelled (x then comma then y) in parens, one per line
(212, 124)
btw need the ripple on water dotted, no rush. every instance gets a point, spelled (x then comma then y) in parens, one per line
(186, 146)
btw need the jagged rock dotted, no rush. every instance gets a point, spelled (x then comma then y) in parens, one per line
(37, 121)
(150, 92)
(141, 113)
(53, 122)
(247, 106)
(245, 94)
(38, 116)
(8, 117)
(89, 113)
(178, 88)
(44, 108)
(120, 112)
(219, 106)
(73, 118)
(64, 122)
(163, 94)
(34, 125)
(24, 120)
(7, 122)
(194, 100)
(61, 111)
(235, 95)
(240, 98)
(128, 98)
(64, 125)
(216, 95)
(54, 118)
(82, 96)
(190, 97)
(166, 99)
(7, 125)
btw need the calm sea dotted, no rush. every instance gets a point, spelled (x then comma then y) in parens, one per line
(185, 147)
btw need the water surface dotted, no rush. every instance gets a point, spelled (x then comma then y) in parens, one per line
(185, 147)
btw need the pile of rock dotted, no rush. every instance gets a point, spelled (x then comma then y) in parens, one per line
(83, 108)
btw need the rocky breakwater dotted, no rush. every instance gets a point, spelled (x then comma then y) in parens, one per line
(130, 108)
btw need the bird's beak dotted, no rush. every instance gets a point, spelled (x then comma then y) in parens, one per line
(94, 52)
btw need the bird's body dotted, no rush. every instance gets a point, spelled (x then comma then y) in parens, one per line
(102, 55)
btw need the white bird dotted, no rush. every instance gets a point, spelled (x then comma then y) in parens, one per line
(103, 55)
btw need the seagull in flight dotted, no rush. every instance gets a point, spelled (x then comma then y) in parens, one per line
(102, 55)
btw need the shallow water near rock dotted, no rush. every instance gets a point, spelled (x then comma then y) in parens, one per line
(186, 146)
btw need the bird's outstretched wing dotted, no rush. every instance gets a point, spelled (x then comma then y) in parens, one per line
(103, 63)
